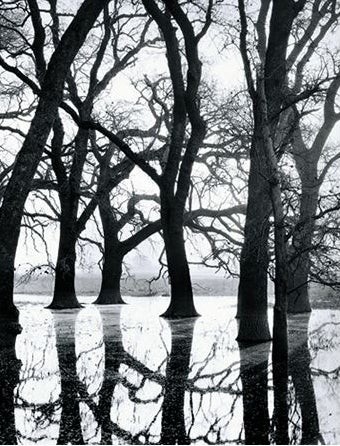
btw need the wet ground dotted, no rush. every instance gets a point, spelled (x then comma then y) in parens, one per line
(122, 375)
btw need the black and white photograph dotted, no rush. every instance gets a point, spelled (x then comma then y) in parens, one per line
(169, 222)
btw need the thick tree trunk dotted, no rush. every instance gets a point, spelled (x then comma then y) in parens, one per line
(252, 292)
(267, 100)
(177, 371)
(113, 256)
(69, 194)
(29, 156)
(254, 378)
(111, 275)
(181, 299)
(298, 299)
(64, 287)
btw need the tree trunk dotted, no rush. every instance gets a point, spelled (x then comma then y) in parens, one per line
(29, 156)
(111, 275)
(113, 255)
(298, 299)
(173, 429)
(252, 292)
(64, 287)
(181, 299)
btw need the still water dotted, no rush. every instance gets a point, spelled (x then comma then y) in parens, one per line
(122, 375)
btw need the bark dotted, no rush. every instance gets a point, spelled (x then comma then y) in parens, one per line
(299, 369)
(110, 293)
(300, 250)
(29, 156)
(252, 292)
(254, 379)
(267, 101)
(9, 379)
(64, 287)
(173, 429)
(181, 298)
(113, 256)
(69, 193)
(175, 181)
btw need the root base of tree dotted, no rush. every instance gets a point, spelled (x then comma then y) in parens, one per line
(253, 329)
(65, 304)
(171, 313)
(108, 298)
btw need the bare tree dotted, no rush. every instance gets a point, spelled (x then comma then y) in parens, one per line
(29, 156)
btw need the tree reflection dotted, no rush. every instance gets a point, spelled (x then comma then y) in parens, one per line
(254, 378)
(117, 377)
(9, 377)
(114, 353)
(280, 386)
(299, 369)
(70, 431)
(177, 371)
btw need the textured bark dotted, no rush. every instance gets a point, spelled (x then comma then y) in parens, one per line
(9, 379)
(181, 299)
(252, 292)
(69, 194)
(29, 156)
(173, 429)
(264, 190)
(174, 183)
(300, 249)
(64, 287)
(113, 256)
(110, 293)
(254, 378)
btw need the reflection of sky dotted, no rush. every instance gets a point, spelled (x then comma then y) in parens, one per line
(213, 409)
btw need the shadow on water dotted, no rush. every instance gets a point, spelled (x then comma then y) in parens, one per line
(70, 431)
(254, 379)
(177, 372)
(9, 378)
(97, 376)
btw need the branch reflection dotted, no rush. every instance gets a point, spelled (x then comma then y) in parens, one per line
(114, 376)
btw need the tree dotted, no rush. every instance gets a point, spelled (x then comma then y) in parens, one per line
(29, 156)
(264, 193)
(173, 197)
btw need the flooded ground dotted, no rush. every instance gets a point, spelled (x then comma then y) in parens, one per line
(122, 375)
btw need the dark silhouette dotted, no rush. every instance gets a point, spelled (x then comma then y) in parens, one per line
(280, 385)
(254, 378)
(114, 353)
(299, 370)
(9, 378)
(177, 371)
(27, 160)
(263, 189)
(70, 423)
